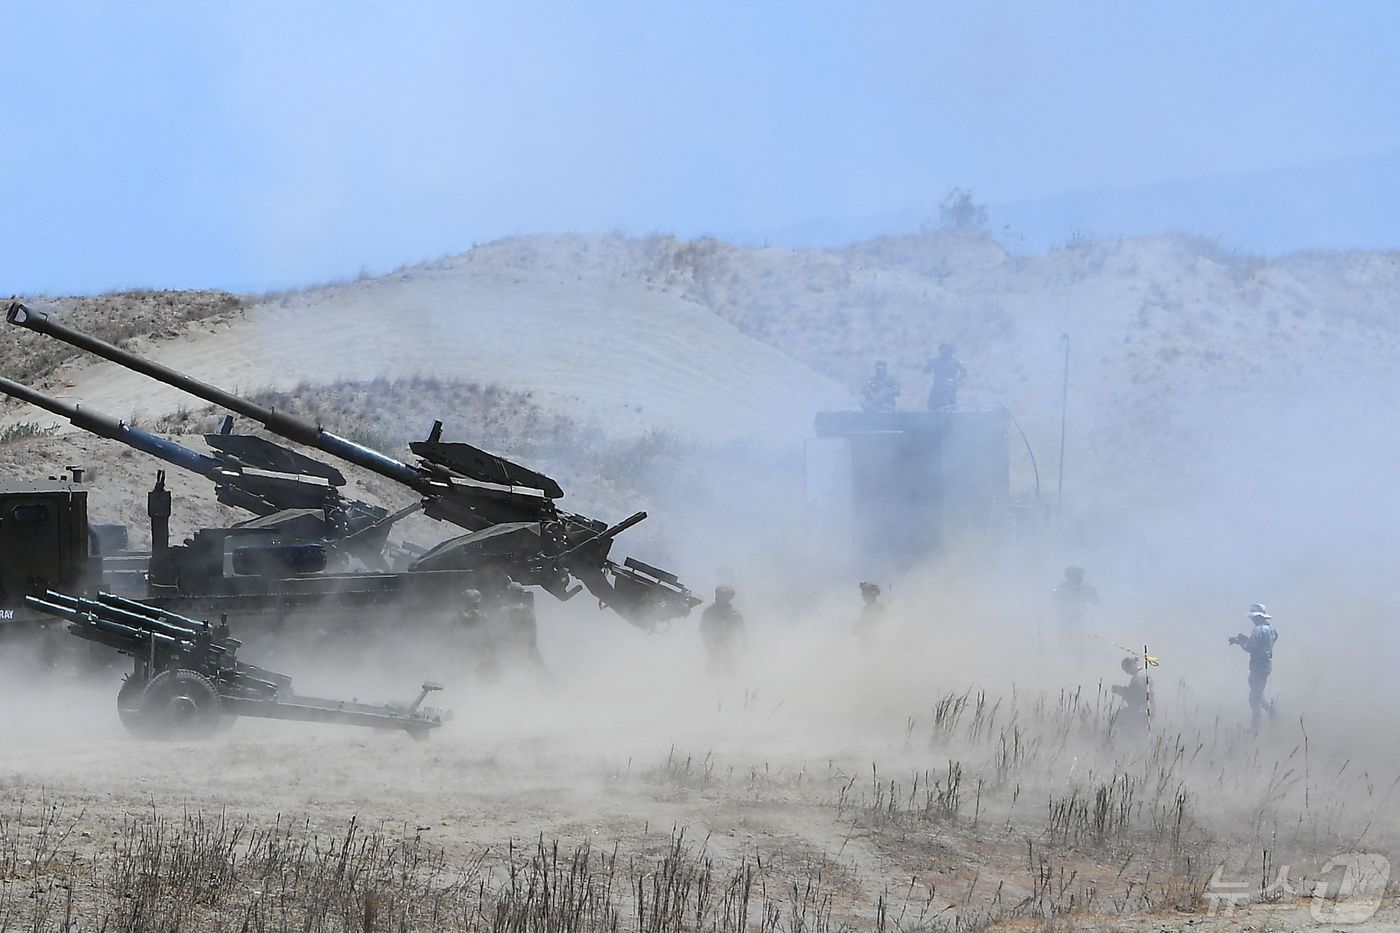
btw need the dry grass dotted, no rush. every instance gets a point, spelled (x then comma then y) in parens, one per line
(215, 873)
(117, 317)
(392, 412)
(1038, 813)
(20, 430)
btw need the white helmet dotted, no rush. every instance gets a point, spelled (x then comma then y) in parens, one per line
(1258, 613)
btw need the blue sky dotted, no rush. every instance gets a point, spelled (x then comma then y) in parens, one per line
(253, 146)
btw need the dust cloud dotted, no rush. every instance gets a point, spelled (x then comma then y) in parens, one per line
(1226, 491)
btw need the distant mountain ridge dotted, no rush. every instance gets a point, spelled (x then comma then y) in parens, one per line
(1339, 204)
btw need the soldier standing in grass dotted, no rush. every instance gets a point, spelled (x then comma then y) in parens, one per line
(722, 631)
(1259, 645)
(1133, 717)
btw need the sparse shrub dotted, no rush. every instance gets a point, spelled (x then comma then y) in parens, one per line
(117, 317)
(958, 213)
(23, 429)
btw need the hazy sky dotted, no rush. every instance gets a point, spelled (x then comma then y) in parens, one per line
(251, 145)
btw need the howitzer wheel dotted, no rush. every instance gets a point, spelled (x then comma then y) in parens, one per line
(129, 706)
(180, 705)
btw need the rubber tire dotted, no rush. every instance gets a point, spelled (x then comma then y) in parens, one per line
(181, 706)
(129, 707)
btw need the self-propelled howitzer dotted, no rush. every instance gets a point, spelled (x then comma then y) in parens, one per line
(499, 503)
(248, 473)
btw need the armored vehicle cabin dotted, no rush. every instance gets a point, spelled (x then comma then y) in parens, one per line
(900, 485)
(45, 541)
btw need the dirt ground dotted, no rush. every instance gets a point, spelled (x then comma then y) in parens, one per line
(862, 795)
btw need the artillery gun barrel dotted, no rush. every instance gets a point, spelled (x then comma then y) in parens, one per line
(284, 425)
(113, 429)
(174, 618)
(261, 492)
(114, 634)
(135, 619)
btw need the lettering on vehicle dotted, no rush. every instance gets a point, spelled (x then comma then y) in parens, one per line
(7, 613)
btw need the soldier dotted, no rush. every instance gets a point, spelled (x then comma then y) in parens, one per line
(1073, 600)
(473, 616)
(1133, 718)
(722, 631)
(872, 612)
(947, 373)
(204, 638)
(476, 626)
(520, 640)
(881, 390)
(1259, 644)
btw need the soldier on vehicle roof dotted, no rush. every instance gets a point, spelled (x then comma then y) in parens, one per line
(948, 374)
(881, 390)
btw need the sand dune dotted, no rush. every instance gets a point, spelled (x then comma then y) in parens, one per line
(611, 353)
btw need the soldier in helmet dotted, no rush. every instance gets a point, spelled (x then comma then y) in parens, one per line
(520, 638)
(473, 615)
(722, 631)
(872, 611)
(1259, 645)
(1133, 717)
(1073, 600)
(948, 374)
(881, 391)
(476, 627)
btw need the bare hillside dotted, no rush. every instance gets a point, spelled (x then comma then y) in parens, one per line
(119, 317)
(1197, 378)
(606, 349)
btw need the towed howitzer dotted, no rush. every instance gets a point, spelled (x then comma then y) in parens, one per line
(248, 473)
(187, 677)
(502, 505)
